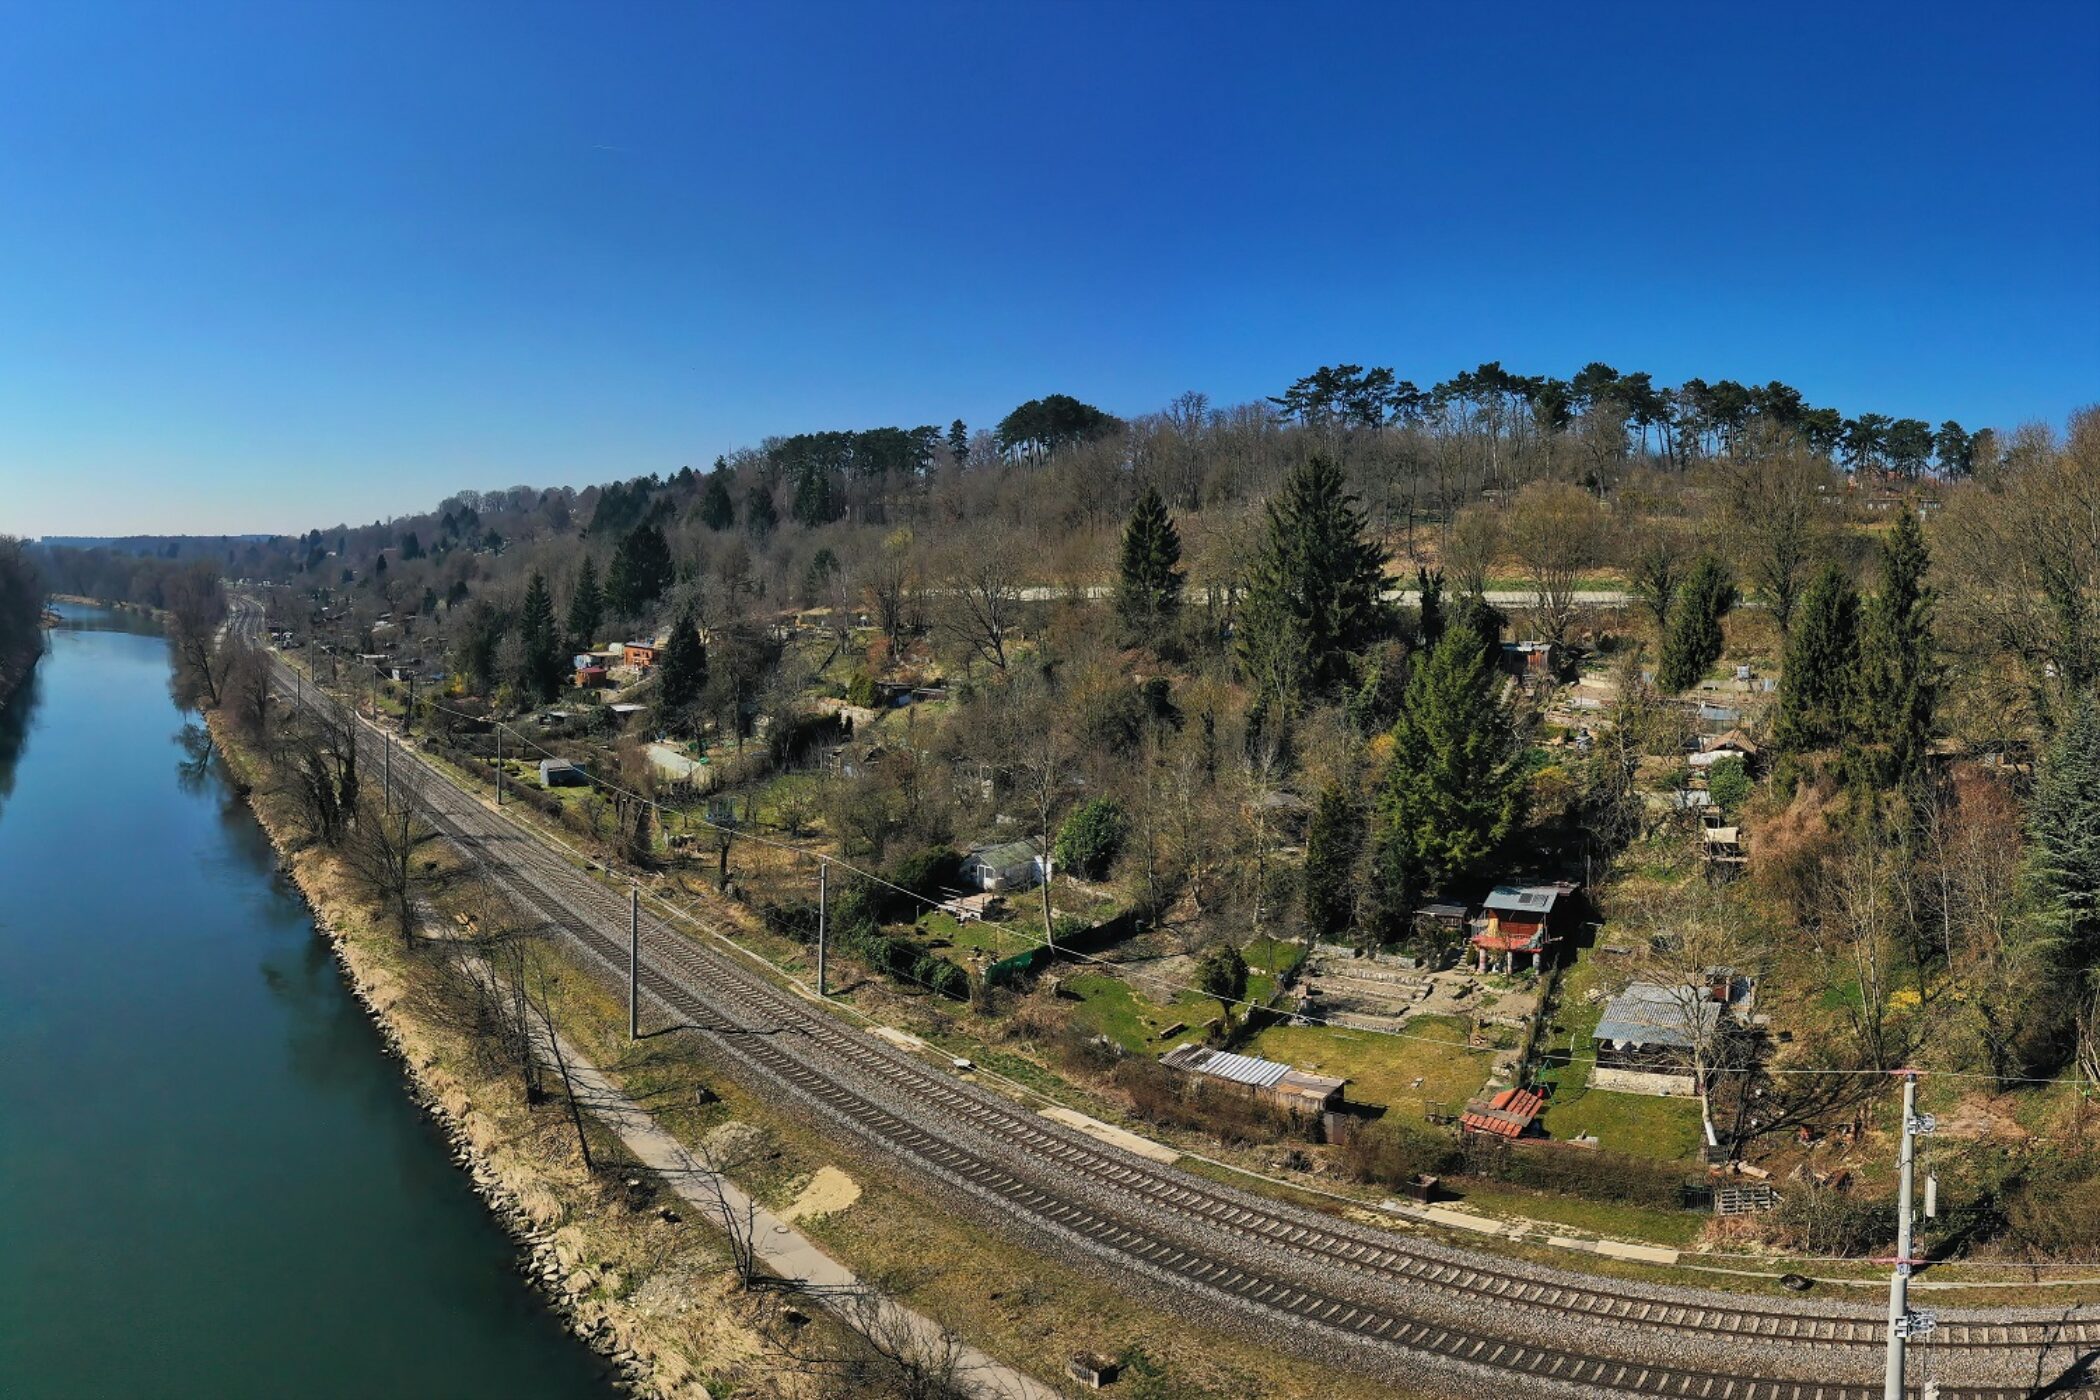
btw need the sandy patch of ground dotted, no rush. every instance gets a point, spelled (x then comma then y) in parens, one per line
(829, 1191)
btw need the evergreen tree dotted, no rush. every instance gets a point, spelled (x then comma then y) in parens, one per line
(1454, 789)
(1429, 583)
(1894, 690)
(684, 672)
(1693, 641)
(717, 510)
(815, 502)
(1148, 588)
(1223, 974)
(539, 657)
(411, 547)
(1333, 840)
(958, 442)
(586, 605)
(760, 518)
(641, 571)
(2065, 823)
(1315, 596)
(1822, 651)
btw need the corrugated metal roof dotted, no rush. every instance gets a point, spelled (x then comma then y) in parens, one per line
(1524, 899)
(1648, 1013)
(1240, 1069)
(1007, 853)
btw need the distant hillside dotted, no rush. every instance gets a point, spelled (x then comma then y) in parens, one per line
(154, 546)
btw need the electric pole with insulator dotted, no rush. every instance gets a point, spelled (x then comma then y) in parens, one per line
(634, 962)
(823, 903)
(1903, 1322)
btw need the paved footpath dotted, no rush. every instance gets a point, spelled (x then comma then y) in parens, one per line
(781, 1248)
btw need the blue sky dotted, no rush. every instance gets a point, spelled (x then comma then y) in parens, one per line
(276, 265)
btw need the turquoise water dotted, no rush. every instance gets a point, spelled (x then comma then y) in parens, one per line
(211, 1181)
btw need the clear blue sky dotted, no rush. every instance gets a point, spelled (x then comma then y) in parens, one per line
(274, 265)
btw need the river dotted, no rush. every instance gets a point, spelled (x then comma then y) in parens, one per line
(211, 1180)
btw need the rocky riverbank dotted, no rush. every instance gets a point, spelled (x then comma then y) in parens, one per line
(647, 1296)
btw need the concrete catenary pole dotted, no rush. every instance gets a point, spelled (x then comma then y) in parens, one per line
(499, 764)
(1899, 1274)
(634, 962)
(823, 906)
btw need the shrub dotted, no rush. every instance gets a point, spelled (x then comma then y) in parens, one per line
(1091, 837)
(1729, 783)
(1389, 1153)
(861, 690)
(925, 873)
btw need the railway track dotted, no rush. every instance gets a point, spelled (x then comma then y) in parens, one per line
(1343, 1293)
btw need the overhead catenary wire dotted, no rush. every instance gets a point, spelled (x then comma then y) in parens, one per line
(1121, 970)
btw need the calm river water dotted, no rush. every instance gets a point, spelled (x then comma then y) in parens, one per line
(211, 1182)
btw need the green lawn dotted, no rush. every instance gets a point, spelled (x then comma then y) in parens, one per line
(1382, 1069)
(1639, 1125)
(1112, 1007)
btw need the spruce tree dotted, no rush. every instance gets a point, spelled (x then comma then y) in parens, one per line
(1315, 598)
(1333, 840)
(1893, 694)
(1454, 788)
(1429, 584)
(958, 442)
(586, 605)
(717, 510)
(1822, 651)
(641, 571)
(815, 502)
(684, 672)
(2065, 823)
(760, 518)
(1148, 587)
(1693, 641)
(539, 656)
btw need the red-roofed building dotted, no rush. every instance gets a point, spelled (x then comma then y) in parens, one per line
(1518, 920)
(1507, 1114)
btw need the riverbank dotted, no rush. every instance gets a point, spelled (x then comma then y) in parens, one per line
(648, 1291)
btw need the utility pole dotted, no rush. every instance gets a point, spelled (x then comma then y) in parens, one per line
(408, 716)
(386, 800)
(634, 961)
(823, 905)
(499, 763)
(1903, 1323)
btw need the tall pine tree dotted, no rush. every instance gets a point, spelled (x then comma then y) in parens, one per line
(2065, 823)
(1693, 641)
(1148, 586)
(586, 605)
(684, 674)
(1315, 598)
(816, 503)
(1333, 839)
(641, 571)
(1454, 788)
(1894, 690)
(717, 510)
(539, 656)
(1822, 651)
(760, 518)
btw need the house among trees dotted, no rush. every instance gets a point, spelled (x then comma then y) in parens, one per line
(1298, 1090)
(561, 772)
(1532, 661)
(640, 655)
(1655, 1038)
(996, 868)
(1733, 744)
(1519, 920)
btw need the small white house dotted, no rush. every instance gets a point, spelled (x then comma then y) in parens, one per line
(1006, 865)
